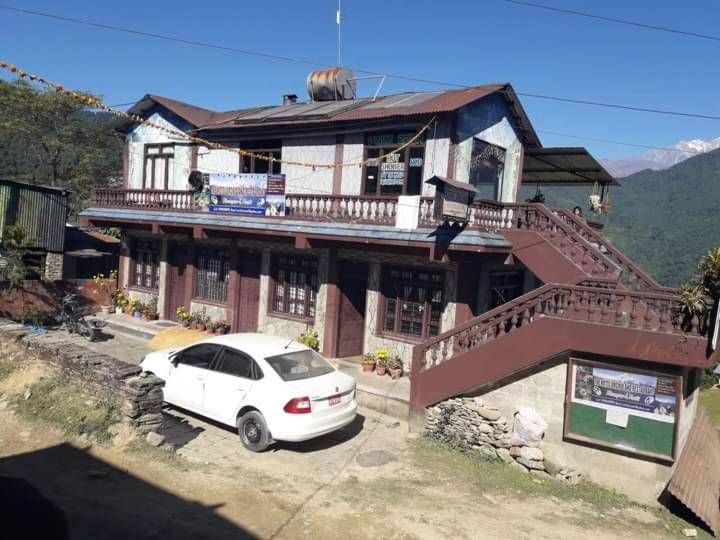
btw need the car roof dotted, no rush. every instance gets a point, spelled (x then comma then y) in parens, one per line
(258, 345)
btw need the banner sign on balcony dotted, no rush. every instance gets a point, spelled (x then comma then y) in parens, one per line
(646, 395)
(254, 194)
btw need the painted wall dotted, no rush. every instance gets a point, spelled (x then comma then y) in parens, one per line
(210, 160)
(353, 149)
(437, 153)
(543, 389)
(143, 134)
(301, 179)
(490, 120)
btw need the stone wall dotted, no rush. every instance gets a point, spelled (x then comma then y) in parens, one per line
(475, 424)
(139, 395)
(53, 266)
(543, 389)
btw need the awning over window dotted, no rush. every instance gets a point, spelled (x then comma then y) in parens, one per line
(563, 167)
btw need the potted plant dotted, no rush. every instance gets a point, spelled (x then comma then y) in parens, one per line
(395, 367)
(311, 339)
(222, 327)
(104, 286)
(150, 313)
(210, 327)
(135, 307)
(202, 320)
(368, 362)
(183, 316)
(120, 300)
(381, 359)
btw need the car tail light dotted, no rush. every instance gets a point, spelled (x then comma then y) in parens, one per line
(299, 405)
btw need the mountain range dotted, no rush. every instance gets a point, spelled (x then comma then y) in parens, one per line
(663, 220)
(656, 160)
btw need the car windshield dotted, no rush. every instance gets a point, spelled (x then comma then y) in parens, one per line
(296, 365)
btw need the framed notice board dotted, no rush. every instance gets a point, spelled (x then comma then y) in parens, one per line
(626, 409)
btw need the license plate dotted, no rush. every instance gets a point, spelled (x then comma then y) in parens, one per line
(335, 400)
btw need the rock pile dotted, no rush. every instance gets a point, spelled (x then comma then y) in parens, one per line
(142, 407)
(472, 423)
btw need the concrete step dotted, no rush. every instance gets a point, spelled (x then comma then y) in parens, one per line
(379, 393)
(137, 328)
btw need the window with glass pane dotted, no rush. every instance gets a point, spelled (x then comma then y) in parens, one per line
(398, 173)
(212, 275)
(158, 166)
(146, 264)
(486, 168)
(295, 285)
(505, 287)
(413, 301)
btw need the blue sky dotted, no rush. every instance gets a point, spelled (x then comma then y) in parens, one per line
(461, 41)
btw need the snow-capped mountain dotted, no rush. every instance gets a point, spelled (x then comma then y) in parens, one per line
(659, 159)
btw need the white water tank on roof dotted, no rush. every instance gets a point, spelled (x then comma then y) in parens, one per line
(332, 84)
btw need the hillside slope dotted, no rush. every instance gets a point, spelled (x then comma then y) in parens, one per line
(663, 220)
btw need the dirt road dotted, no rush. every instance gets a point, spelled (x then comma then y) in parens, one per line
(370, 481)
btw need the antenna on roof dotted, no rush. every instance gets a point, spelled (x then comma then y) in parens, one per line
(338, 19)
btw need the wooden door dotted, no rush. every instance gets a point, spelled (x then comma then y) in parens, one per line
(246, 319)
(175, 283)
(353, 281)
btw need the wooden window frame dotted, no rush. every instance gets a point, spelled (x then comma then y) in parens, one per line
(168, 158)
(226, 265)
(421, 143)
(607, 446)
(156, 252)
(251, 160)
(308, 291)
(396, 332)
(494, 273)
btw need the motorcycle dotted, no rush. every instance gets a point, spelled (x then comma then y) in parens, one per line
(75, 322)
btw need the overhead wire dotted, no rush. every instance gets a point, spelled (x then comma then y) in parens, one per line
(316, 63)
(613, 20)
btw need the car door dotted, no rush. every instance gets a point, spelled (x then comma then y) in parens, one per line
(186, 381)
(228, 384)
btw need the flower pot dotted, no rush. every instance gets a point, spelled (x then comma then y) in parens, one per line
(186, 324)
(210, 330)
(105, 310)
(381, 370)
(220, 331)
(396, 373)
(118, 310)
(201, 327)
(368, 366)
(137, 314)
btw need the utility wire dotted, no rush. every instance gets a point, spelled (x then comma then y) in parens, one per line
(614, 20)
(365, 71)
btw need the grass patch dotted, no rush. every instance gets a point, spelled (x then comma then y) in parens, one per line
(479, 476)
(710, 400)
(64, 405)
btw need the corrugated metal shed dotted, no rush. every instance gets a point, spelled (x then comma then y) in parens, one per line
(696, 480)
(41, 212)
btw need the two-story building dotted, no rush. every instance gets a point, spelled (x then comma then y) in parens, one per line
(358, 252)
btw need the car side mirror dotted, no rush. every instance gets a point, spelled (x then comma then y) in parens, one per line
(174, 361)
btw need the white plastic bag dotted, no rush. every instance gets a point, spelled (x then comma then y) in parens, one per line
(528, 428)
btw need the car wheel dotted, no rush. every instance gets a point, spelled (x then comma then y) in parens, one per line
(253, 431)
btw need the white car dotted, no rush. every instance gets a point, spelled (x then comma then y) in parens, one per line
(270, 388)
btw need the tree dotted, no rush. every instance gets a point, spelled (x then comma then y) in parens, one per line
(48, 138)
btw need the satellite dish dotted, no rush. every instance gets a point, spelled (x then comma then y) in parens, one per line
(196, 180)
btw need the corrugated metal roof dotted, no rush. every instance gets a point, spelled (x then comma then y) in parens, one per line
(563, 166)
(391, 106)
(696, 480)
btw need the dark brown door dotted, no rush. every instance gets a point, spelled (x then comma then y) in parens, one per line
(249, 299)
(175, 287)
(353, 281)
